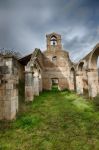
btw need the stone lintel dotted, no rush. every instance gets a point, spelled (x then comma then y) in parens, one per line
(91, 70)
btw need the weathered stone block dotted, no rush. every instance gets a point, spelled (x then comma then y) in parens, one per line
(93, 84)
(36, 86)
(79, 84)
(29, 95)
(9, 86)
(10, 110)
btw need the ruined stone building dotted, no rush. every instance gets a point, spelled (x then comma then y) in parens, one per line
(40, 70)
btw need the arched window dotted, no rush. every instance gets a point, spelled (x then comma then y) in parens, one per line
(80, 67)
(54, 59)
(53, 40)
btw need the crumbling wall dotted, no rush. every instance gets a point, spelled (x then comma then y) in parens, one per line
(33, 76)
(8, 88)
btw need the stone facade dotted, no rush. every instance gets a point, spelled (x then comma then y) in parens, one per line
(56, 63)
(40, 70)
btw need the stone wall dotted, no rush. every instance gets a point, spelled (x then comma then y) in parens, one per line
(23, 79)
(58, 68)
(9, 79)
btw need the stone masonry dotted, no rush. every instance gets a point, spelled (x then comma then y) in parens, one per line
(39, 70)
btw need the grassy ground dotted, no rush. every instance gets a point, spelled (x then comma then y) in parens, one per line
(53, 121)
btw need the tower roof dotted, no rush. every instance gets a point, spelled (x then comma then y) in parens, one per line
(53, 34)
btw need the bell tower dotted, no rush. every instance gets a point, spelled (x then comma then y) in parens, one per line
(53, 41)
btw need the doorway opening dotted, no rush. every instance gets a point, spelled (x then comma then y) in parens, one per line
(55, 84)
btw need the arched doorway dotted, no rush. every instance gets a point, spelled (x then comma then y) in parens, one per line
(79, 77)
(72, 79)
(55, 83)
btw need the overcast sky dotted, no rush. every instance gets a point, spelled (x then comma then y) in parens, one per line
(25, 23)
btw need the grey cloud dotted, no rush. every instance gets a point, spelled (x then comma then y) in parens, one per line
(24, 23)
(79, 47)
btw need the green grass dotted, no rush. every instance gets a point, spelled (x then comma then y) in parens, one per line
(53, 121)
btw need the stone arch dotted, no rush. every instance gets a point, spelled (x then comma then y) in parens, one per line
(53, 40)
(72, 79)
(93, 76)
(94, 58)
(80, 66)
(82, 77)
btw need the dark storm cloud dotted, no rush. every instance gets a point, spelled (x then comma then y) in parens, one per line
(24, 23)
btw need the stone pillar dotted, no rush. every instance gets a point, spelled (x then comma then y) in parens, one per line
(9, 89)
(79, 83)
(71, 83)
(93, 85)
(36, 83)
(40, 83)
(29, 94)
(11, 98)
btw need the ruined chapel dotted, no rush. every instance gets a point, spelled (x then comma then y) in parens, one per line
(41, 70)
